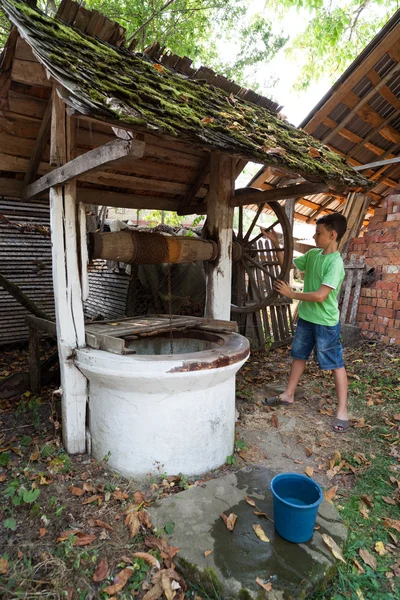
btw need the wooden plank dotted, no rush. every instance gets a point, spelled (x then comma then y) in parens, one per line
(347, 292)
(246, 196)
(384, 91)
(29, 73)
(93, 160)
(83, 251)
(218, 227)
(67, 288)
(23, 51)
(22, 104)
(119, 200)
(346, 133)
(135, 183)
(39, 148)
(34, 360)
(42, 325)
(357, 74)
(357, 291)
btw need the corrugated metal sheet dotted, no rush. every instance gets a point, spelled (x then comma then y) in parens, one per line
(107, 292)
(25, 259)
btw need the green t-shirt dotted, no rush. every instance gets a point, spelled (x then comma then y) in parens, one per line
(321, 269)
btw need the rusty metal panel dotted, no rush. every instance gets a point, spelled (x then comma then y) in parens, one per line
(25, 259)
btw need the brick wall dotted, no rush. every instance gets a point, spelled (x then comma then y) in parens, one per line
(379, 309)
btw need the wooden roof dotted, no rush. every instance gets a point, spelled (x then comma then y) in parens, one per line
(359, 118)
(179, 116)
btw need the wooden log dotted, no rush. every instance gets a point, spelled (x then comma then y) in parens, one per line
(246, 196)
(218, 227)
(67, 286)
(40, 145)
(34, 360)
(91, 161)
(144, 248)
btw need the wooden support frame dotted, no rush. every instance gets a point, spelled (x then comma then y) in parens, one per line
(67, 283)
(218, 227)
(245, 196)
(40, 145)
(107, 155)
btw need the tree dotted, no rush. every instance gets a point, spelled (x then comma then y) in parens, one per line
(337, 31)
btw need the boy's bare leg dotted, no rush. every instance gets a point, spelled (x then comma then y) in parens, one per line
(340, 376)
(296, 372)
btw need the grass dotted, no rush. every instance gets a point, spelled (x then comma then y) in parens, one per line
(374, 393)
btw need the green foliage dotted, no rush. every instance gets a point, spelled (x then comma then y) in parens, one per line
(230, 459)
(336, 33)
(10, 524)
(19, 495)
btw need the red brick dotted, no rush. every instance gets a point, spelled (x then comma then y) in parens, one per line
(396, 305)
(397, 314)
(391, 277)
(397, 324)
(380, 211)
(366, 309)
(385, 339)
(369, 317)
(382, 303)
(386, 285)
(391, 323)
(383, 320)
(393, 217)
(361, 317)
(389, 304)
(383, 312)
(364, 326)
(374, 301)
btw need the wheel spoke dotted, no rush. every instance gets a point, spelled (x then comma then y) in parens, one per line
(253, 287)
(254, 221)
(259, 266)
(260, 235)
(240, 232)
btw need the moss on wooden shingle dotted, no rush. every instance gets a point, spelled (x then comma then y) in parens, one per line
(115, 85)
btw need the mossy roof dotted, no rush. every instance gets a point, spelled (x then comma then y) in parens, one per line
(115, 85)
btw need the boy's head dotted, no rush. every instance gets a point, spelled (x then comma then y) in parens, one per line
(330, 228)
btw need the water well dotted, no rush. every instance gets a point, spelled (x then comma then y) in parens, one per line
(149, 408)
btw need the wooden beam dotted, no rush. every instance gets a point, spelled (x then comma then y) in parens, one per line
(360, 104)
(40, 145)
(384, 91)
(29, 73)
(357, 74)
(108, 155)
(105, 198)
(245, 196)
(66, 284)
(378, 163)
(218, 227)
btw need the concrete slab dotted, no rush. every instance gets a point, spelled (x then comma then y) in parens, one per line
(239, 557)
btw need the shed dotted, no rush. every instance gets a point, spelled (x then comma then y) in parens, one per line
(84, 120)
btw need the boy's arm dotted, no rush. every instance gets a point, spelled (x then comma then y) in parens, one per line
(273, 237)
(318, 296)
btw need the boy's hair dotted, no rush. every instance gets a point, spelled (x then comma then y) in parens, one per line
(334, 222)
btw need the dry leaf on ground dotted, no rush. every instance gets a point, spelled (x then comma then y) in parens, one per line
(120, 581)
(274, 421)
(249, 501)
(207, 553)
(144, 518)
(229, 521)
(97, 498)
(166, 585)
(133, 524)
(118, 495)
(367, 558)
(3, 566)
(155, 592)
(363, 510)
(392, 523)
(260, 533)
(266, 586)
(380, 549)
(333, 547)
(98, 523)
(64, 535)
(389, 500)
(309, 452)
(101, 571)
(309, 471)
(367, 500)
(75, 491)
(84, 539)
(149, 558)
(42, 531)
(359, 567)
(88, 487)
(330, 494)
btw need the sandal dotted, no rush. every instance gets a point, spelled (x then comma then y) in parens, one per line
(275, 401)
(344, 424)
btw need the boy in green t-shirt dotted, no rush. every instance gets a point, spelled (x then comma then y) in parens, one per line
(318, 325)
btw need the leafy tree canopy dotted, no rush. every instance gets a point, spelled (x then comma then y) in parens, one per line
(337, 31)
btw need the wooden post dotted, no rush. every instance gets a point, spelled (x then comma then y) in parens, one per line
(289, 210)
(66, 283)
(219, 228)
(355, 209)
(34, 360)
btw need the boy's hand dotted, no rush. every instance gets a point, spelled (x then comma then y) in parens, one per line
(270, 235)
(284, 289)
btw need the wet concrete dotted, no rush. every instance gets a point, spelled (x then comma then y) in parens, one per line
(238, 557)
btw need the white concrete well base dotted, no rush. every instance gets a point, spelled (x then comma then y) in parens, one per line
(175, 412)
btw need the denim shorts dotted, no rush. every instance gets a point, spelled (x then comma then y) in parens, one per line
(325, 340)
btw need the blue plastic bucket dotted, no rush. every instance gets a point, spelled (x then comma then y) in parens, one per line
(296, 501)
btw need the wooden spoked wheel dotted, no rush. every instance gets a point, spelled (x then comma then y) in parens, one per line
(255, 265)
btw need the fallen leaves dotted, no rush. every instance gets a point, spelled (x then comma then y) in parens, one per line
(368, 558)
(333, 547)
(133, 523)
(274, 421)
(229, 521)
(75, 491)
(96, 498)
(101, 571)
(158, 67)
(207, 553)
(380, 549)
(149, 558)
(330, 494)
(392, 523)
(266, 586)
(207, 120)
(249, 501)
(313, 152)
(260, 533)
(309, 471)
(3, 566)
(82, 539)
(120, 581)
(388, 500)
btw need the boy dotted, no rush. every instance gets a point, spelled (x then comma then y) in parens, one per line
(318, 324)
